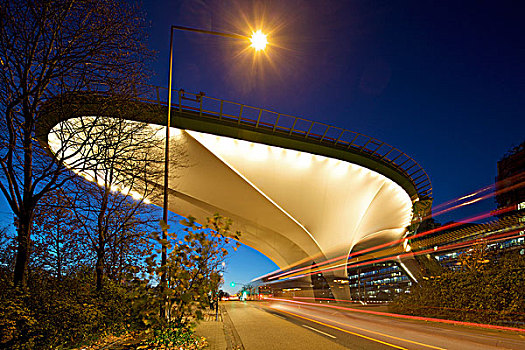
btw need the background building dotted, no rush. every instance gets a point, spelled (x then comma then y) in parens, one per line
(511, 173)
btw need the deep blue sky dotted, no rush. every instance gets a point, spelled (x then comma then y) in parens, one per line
(444, 81)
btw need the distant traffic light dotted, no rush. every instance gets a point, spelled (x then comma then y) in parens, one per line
(232, 284)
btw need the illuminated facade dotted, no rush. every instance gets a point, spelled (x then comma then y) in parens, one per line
(378, 282)
(304, 201)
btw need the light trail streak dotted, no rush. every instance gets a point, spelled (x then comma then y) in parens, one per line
(473, 194)
(469, 310)
(399, 241)
(517, 177)
(344, 265)
(340, 329)
(419, 318)
(424, 306)
(309, 267)
(439, 229)
(502, 236)
(388, 258)
(506, 189)
(328, 299)
(304, 260)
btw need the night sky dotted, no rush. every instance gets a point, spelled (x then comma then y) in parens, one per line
(444, 81)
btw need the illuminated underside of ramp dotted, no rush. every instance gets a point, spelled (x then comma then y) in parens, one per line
(289, 205)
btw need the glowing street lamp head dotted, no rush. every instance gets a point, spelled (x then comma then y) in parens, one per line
(258, 40)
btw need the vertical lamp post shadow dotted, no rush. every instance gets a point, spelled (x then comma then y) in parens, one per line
(258, 42)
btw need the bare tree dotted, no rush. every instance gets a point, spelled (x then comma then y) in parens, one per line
(47, 49)
(57, 245)
(6, 250)
(112, 206)
(127, 249)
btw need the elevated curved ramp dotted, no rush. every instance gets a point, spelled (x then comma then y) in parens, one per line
(292, 193)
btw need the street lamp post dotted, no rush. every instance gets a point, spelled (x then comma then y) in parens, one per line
(258, 42)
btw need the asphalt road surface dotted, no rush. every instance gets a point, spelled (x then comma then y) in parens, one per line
(281, 325)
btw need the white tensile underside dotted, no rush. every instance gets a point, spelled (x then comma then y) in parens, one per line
(289, 205)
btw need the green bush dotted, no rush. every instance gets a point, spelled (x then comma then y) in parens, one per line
(61, 314)
(491, 293)
(173, 336)
(16, 322)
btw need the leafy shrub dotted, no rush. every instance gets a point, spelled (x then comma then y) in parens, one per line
(492, 293)
(16, 321)
(58, 314)
(173, 336)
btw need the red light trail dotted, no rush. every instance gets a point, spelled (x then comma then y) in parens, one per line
(409, 317)
(495, 238)
(399, 241)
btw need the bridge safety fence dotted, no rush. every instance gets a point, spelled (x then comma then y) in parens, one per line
(200, 105)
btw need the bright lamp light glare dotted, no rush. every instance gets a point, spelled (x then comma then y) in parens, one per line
(258, 40)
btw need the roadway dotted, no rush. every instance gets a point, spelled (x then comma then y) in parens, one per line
(280, 325)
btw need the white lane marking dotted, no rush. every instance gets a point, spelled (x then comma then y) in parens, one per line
(284, 318)
(318, 331)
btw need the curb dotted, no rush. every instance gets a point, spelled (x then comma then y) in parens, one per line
(233, 340)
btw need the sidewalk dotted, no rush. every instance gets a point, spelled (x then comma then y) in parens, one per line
(213, 331)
